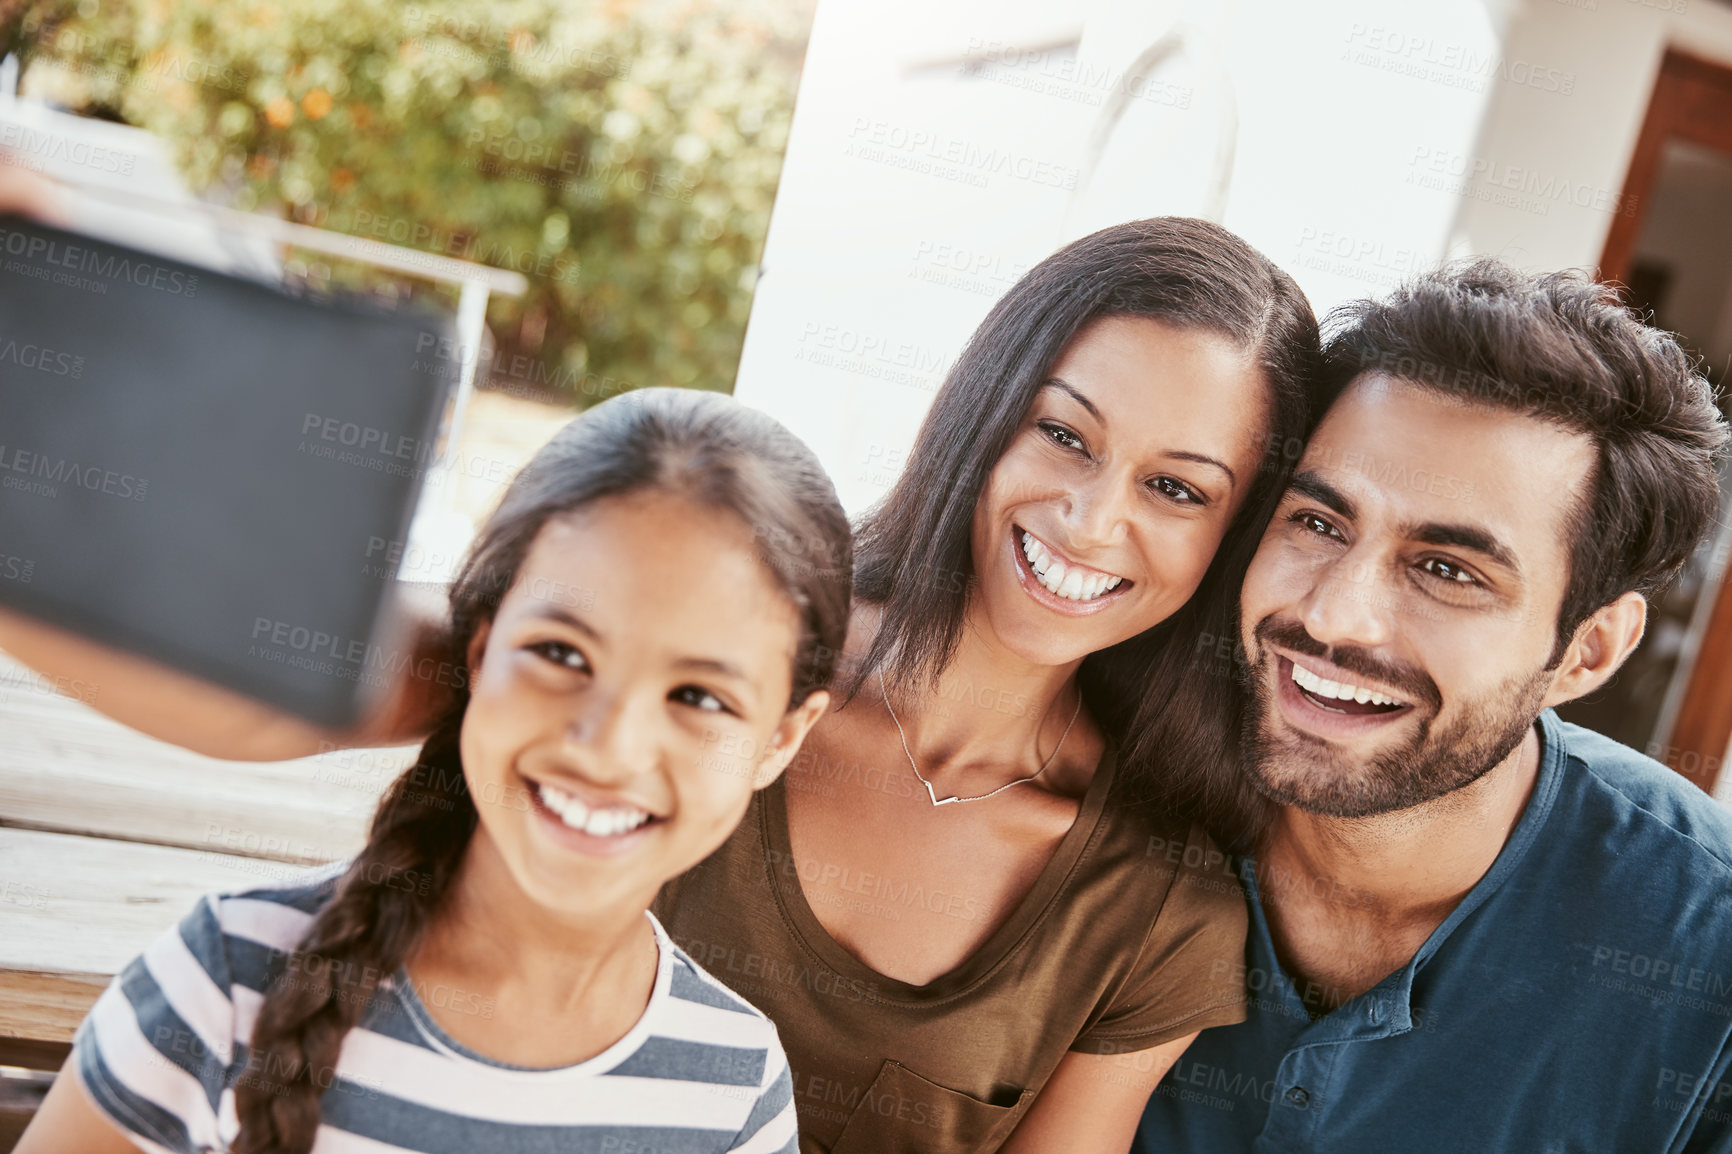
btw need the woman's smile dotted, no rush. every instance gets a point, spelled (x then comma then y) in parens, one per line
(1059, 583)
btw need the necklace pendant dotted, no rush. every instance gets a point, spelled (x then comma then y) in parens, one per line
(931, 793)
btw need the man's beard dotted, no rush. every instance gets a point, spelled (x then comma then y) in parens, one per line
(1296, 769)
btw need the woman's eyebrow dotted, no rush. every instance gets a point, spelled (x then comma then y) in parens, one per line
(1204, 459)
(1176, 454)
(1057, 383)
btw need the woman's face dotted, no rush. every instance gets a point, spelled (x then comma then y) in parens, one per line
(1101, 517)
(627, 698)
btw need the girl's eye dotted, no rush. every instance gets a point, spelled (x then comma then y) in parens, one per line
(1059, 435)
(1312, 523)
(1446, 570)
(560, 654)
(1177, 490)
(699, 698)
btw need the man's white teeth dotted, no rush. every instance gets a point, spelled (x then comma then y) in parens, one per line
(610, 822)
(1073, 583)
(1339, 690)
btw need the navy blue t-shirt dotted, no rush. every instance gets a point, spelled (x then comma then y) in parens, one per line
(1579, 998)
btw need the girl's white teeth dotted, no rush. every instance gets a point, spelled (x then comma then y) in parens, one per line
(610, 822)
(1073, 582)
(1340, 691)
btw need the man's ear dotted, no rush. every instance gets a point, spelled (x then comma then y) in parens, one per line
(792, 731)
(477, 646)
(1600, 646)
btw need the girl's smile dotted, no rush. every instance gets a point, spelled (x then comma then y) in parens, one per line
(607, 723)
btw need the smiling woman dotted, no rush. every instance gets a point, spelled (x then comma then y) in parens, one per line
(968, 934)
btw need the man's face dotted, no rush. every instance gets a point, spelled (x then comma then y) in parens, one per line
(1401, 610)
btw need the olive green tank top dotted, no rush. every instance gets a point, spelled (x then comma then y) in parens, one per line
(1133, 935)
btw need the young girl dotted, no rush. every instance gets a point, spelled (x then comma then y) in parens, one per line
(646, 623)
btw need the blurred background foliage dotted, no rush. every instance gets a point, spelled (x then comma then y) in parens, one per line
(623, 155)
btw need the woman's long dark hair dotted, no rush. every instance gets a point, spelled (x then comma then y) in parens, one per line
(702, 446)
(1169, 695)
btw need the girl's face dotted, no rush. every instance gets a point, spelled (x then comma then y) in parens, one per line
(1102, 515)
(627, 698)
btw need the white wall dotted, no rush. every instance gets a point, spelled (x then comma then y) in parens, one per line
(940, 150)
(1550, 170)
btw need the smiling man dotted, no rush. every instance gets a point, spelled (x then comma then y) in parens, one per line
(1474, 927)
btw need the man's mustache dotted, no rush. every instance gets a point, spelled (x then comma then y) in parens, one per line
(1410, 680)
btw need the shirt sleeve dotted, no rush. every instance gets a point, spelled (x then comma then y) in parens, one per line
(1190, 974)
(1711, 1132)
(157, 1049)
(770, 1128)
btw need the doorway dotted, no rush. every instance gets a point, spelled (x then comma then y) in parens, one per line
(1670, 253)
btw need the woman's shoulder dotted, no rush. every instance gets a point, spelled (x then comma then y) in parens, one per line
(1173, 853)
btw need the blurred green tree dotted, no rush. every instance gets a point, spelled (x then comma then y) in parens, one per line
(624, 156)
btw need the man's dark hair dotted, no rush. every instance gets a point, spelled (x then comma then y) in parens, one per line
(1562, 348)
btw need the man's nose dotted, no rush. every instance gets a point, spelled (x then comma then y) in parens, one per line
(1349, 604)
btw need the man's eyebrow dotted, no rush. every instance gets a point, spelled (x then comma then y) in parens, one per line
(1458, 536)
(1056, 383)
(1310, 483)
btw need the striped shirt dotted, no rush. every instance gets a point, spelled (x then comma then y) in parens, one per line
(166, 1043)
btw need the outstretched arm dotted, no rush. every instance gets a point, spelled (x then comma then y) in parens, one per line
(206, 718)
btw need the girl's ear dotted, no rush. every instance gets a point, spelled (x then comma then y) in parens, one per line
(477, 646)
(792, 731)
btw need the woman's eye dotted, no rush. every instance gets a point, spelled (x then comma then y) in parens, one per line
(560, 654)
(1312, 523)
(1059, 435)
(1447, 570)
(1177, 490)
(699, 698)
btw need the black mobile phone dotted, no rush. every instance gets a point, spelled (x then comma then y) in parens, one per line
(207, 470)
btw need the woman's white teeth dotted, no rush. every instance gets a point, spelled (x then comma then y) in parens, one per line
(610, 822)
(1339, 690)
(1073, 582)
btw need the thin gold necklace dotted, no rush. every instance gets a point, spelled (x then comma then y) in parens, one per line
(932, 793)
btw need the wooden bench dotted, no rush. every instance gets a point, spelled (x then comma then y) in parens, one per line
(108, 837)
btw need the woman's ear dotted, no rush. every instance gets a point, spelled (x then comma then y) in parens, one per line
(792, 731)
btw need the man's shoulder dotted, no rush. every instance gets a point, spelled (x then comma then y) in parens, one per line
(1663, 812)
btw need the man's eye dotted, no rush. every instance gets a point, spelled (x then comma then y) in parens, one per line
(1312, 523)
(1447, 570)
(1177, 490)
(699, 698)
(560, 654)
(1059, 435)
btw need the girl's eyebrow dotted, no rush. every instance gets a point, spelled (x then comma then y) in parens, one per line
(555, 613)
(714, 665)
